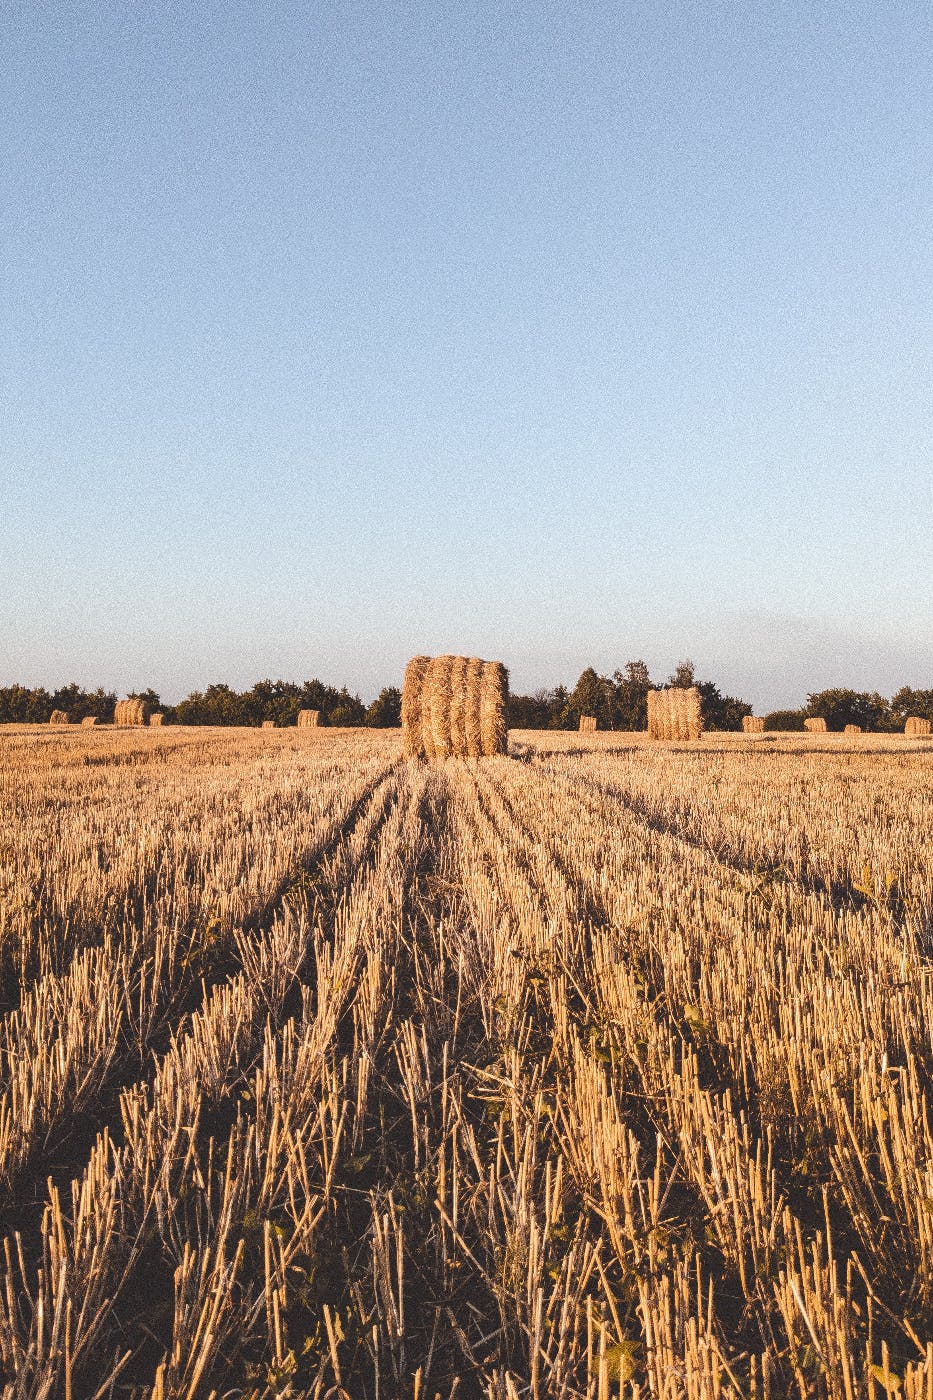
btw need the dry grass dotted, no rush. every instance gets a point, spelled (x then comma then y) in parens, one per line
(308, 719)
(753, 724)
(130, 713)
(675, 713)
(454, 706)
(604, 1073)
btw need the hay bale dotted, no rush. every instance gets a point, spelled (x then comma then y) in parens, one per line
(308, 719)
(130, 712)
(815, 726)
(454, 706)
(587, 724)
(157, 718)
(89, 721)
(59, 717)
(753, 724)
(268, 724)
(412, 687)
(916, 727)
(675, 713)
(852, 729)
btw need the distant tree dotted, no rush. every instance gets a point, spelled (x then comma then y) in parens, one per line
(386, 710)
(790, 720)
(684, 676)
(840, 707)
(19, 705)
(721, 712)
(630, 696)
(592, 695)
(907, 702)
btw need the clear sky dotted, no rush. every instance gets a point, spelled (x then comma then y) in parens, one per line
(561, 333)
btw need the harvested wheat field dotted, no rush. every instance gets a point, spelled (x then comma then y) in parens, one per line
(598, 1070)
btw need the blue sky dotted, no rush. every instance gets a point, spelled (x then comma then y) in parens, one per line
(558, 333)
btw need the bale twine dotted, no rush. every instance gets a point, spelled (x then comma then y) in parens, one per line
(59, 717)
(852, 729)
(587, 724)
(128, 712)
(412, 687)
(157, 718)
(454, 706)
(753, 724)
(815, 726)
(89, 721)
(675, 713)
(308, 719)
(916, 727)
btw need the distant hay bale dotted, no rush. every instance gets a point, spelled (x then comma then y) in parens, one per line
(454, 706)
(158, 719)
(268, 724)
(675, 713)
(753, 724)
(815, 726)
(59, 717)
(852, 729)
(916, 727)
(308, 719)
(587, 724)
(89, 721)
(128, 712)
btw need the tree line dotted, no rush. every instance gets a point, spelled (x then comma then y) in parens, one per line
(619, 701)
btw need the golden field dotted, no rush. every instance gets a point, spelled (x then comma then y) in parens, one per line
(598, 1070)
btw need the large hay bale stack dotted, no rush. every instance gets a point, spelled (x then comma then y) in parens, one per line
(675, 713)
(815, 725)
(852, 729)
(916, 727)
(753, 724)
(89, 721)
(308, 719)
(587, 724)
(454, 706)
(59, 717)
(129, 712)
(158, 719)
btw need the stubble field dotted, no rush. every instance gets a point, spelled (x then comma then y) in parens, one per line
(599, 1070)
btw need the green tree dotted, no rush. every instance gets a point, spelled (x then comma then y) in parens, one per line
(907, 702)
(785, 720)
(592, 695)
(840, 707)
(630, 696)
(386, 710)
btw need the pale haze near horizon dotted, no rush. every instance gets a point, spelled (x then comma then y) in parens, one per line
(563, 335)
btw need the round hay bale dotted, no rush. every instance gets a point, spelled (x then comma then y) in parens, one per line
(916, 727)
(753, 724)
(454, 706)
(130, 712)
(89, 721)
(308, 719)
(815, 725)
(852, 729)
